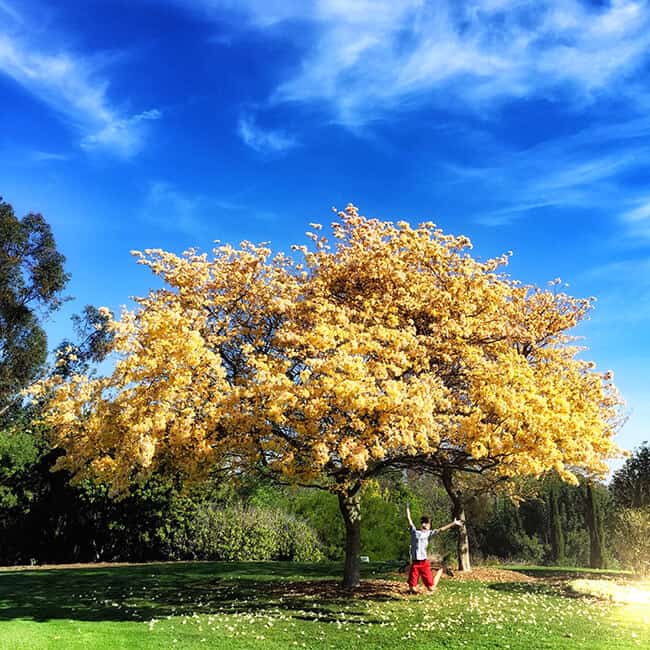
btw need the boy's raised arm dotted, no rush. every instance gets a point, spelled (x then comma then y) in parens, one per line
(408, 516)
(455, 522)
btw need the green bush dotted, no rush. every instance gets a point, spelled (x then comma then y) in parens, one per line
(631, 537)
(577, 547)
(319, 509)
(237, 533)
(384, 534)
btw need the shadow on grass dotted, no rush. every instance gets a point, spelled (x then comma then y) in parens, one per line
(551, 588)
(156, 591)
(568, 573)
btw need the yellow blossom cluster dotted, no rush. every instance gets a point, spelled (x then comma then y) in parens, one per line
(389, 342)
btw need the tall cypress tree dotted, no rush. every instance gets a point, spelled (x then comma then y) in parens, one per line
(556, 528)
(593, 519)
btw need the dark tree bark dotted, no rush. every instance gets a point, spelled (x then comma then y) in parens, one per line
(458, 512)
(350, 505)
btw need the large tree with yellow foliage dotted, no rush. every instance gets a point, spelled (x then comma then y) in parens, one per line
(387, 346)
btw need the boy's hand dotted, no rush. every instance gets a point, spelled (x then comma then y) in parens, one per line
(458, 522)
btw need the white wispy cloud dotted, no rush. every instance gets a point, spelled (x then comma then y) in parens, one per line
(640, 213)
(175, 209)
(72, 86)
(172, 209)
(44, 156)
(264, 140)
(369, 57)
(369, 60)
(626, 269)
(637, 219)
(585, 170)
(124, 135)
(623, 288)
(10, 11)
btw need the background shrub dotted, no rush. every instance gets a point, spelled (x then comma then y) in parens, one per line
(631, 537)
(238, 533)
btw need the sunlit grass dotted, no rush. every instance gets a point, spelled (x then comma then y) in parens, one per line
(637, 593)
(251, 605)
(634, 599)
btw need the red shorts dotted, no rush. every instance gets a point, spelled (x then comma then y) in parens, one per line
(420, 568)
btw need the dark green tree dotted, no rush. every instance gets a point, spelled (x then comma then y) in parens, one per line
(20, 449)
(32, 279)
(630, 486)
(593, 510)
(555, 527)
(43, 517)
(91, 346)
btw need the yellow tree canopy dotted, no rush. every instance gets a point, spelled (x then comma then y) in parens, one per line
(385, 344)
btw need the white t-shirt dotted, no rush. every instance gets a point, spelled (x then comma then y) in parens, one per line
(420, 541)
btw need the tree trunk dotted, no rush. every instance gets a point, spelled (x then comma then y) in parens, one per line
(458, 512)
(462, 543)
(592, 520)
(350, 505)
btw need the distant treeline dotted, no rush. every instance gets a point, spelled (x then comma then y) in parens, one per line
(45, 519)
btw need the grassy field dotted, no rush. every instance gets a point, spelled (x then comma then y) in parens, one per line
(282, 605)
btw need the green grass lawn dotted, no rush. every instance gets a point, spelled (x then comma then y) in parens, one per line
(253, 605)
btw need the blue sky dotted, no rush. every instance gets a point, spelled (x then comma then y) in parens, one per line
(522, 124)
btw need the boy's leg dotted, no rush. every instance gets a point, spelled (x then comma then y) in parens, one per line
(425, 572)
(414, 575)
(428, 578)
